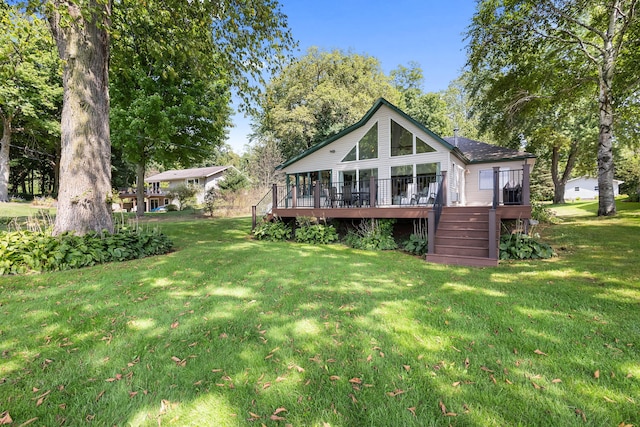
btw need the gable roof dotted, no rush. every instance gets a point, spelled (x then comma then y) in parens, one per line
(591, 178)
(481, 152)
(467, 150)
(181, 174)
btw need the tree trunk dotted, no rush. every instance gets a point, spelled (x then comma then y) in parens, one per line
(140, 169)
(560, 182)
(4, 159)
(82, 38)
(606, 198)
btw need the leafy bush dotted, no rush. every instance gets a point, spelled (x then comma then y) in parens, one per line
(374, 234)
(541, 213)
(273, 231)
(308, 231)
(418, 240)
(522, 246)
(29, 251)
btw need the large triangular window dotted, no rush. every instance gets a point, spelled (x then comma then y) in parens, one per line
(401, 140)
(351, 156)
(367, 147)
(423, 147)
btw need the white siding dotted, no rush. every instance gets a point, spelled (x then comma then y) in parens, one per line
(474, 195)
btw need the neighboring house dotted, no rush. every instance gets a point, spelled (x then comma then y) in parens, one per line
(388, 165)
(159, 185)
(586, 188)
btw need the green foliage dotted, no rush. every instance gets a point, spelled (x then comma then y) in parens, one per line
(416, 245)
(522, 246)
(541, 213)
(374, 235)
(185, 194)
(28, 251)
(233, 181)
(274, 231)
(418, 240)
(210, 199)
(307, 231)
(319, 95)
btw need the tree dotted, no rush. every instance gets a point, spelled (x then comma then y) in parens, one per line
(262, 159)
(30, 89)
(169, 106)
(592, 35)
(319, 95)
(183, 194)
(250, 38)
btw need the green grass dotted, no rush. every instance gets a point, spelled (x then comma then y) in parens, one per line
(20, 209)
(226, 330)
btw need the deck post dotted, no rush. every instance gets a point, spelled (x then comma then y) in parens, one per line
(526, 182)
(294, 196)
(274, 196)
(496, 187)
(493, 235)
(316, 195)
(373, 191)
(431, 232)
(254, 221)
(445, 188)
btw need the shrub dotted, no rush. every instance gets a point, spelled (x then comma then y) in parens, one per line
(418, 240)
(29, 251)
(308, 231)
(522, 246)
(274, 231)
(541, 213)
(374, 234)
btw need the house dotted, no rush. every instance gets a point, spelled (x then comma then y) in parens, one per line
(159, 185)
(586, 188)
(388, 165)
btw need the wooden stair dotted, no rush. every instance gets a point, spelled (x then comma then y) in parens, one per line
(462, 237)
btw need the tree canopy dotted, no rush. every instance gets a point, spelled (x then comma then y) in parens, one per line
(318, 95)
(30, 89)
(588, 45)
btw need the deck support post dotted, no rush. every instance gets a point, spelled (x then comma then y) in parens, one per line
(316, 195)
(294, 196)
(373, 191)
(526, 182)
(254, 220)
(274, 196)
(445, 188)
(431, 232)
(496, 187)
(493, 234)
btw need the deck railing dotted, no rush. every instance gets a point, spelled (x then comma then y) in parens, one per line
(512, 185)
(419, 191)
(262, 208)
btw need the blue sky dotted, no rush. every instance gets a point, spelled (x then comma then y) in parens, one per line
(429, 32)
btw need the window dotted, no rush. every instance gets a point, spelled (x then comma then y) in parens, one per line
(351, 156)
(368, 145)
(194, 181)
(423, 147)
(365, 178)
(401, 140)
(366, 148)
(486, 179)
(577, 189)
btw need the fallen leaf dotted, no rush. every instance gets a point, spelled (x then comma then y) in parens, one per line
(456, 384)
(255, 416)
(442, 407)
(369, 358)
(355, 380)
(353, 398)
(395, 392)
(466, 363)
(506, 380)
(26, 423)
(450, 414)
(484, 368)
(133, 393)
(334, 378)
(412, 410)
(100, 395)
(277, 418)
(40, 399)
(608, 400)
(536, 386)
(5, 418)
(596, 374)
(536, 351)
(556, 380)
(175, 325)
(406, 367)
(581, 413)
(280, 409)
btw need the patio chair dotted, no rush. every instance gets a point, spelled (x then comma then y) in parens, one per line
(347, 196)
(332, 198)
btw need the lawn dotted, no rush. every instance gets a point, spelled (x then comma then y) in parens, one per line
(228, 331)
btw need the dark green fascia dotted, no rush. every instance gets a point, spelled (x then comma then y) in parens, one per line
(379, 103)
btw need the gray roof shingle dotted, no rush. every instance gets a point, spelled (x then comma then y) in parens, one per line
(174, 175)
(481, 152)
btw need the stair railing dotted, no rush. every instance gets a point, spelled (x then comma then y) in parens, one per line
(262, 208)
